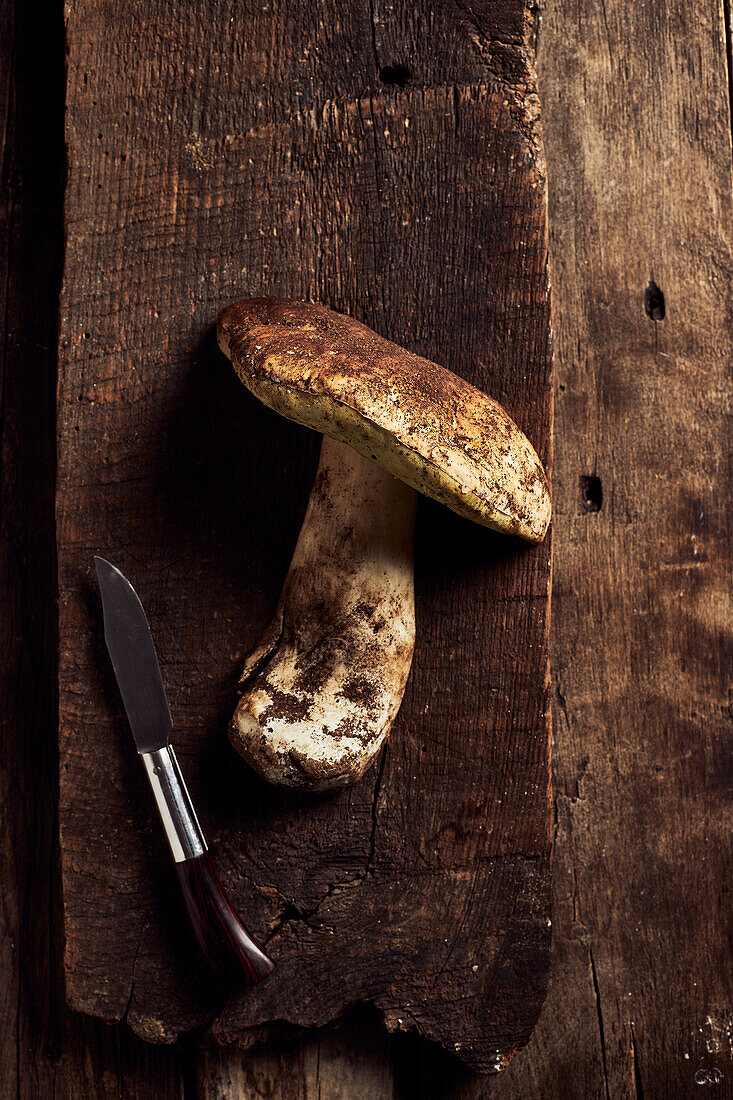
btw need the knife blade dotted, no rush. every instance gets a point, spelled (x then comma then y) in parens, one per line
(131, 648)
(223, 939)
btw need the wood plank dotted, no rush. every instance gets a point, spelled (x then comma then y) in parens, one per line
(637, 132)
(45, 1049)
(546, 1060)
(636, 124)
(669, 168)
(232, 152)
(351, 1060)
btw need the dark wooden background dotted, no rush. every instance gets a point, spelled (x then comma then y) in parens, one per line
(638, 142)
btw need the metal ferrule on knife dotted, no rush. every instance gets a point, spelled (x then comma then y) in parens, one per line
(174, 804)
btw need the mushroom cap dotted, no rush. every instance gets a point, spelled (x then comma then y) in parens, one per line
(415, 419)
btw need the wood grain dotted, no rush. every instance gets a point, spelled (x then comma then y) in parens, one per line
(212, 157)
(353, 1059)
(639, 153)
(45, 1049)
(636, 119)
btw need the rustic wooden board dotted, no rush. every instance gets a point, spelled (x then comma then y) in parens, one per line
(639, 162)
(45, 1049)
(387, 164)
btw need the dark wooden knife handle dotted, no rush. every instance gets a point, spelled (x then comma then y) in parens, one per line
(225, 942)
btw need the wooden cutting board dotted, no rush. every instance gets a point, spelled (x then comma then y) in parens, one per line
(384, 160)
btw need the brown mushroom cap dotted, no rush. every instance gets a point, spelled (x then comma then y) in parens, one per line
(415, 419)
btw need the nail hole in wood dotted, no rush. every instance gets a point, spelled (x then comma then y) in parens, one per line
(591, 493)
(394, 74)
(654, 302)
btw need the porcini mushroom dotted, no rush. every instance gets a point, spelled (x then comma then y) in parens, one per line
(324, 684)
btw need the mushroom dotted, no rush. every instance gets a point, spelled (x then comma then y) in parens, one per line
(325, 682)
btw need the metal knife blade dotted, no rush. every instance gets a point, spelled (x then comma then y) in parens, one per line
(134, 659)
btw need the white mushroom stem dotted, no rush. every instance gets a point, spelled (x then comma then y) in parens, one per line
(326, 680)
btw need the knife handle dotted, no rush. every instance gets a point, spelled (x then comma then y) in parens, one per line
(223, 939)
(225, 942)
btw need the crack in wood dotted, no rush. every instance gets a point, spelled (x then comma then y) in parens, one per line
(563, 705)
(292, 913)
(638, 1086)
(373, 24)
(375, 812)
(599, 1011)
(123, 1017)
(728, 30)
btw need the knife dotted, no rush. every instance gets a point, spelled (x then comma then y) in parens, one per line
(223, 939)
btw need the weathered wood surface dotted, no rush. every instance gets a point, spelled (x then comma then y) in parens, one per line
(638, 125)
(48, 1051)
(636, 120)
(386, 163)
(355, 1059)
(45, 1049)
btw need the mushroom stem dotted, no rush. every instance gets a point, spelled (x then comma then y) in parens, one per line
(326, 680)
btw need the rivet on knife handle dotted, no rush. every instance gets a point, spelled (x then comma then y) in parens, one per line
(223, 939)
